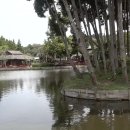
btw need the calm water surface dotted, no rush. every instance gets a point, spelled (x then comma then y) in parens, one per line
(31, 100)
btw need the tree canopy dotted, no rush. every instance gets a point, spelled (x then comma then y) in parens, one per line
(99, 24)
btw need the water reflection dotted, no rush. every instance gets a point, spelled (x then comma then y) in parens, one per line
(90, 115)
(31, 100)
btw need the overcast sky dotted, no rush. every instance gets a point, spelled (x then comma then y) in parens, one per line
(18, 20)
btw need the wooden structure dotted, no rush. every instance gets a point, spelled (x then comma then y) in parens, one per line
(13, 59)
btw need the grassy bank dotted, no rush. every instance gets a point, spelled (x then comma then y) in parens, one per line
(36, 65)
(105, 82)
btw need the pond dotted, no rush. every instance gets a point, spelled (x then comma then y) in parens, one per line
(31, 100)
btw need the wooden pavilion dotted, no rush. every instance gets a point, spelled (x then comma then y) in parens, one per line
(13, 59)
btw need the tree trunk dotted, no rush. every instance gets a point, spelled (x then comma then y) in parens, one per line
(88, 33)
(128, 28)
(124, 22)
(106, 28)
(96, 33)
(129, 14)
(76, 70)
(64, 38)
(107, 37)
(82, 17)
(91, 42)
(106, 25)
(80, 38)
(112, 36)
(100, 30)
(121, 41)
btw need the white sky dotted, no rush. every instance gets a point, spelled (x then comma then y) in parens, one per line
(18, 20)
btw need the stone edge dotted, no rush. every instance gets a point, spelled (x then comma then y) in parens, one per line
(97, 94)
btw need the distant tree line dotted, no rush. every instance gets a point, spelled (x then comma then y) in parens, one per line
(6, 44)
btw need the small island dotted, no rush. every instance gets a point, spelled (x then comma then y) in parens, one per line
(107, 88)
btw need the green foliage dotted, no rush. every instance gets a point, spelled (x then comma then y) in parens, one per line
(34, 49)
(54, 27)
(19, 46)
(6, 44)
(41, 7)
(53, 47)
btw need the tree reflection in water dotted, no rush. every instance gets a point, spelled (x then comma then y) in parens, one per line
(8, 86)
(86, 114)
(52, 84)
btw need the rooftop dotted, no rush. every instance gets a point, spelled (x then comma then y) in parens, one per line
(14, 52)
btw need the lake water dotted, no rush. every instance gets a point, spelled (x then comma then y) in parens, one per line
(31, 100)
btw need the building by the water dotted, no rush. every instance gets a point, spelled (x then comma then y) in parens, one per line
(12, 59)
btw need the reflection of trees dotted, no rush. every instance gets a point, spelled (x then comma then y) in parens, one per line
(7, 86)
(84, 110)
(52, 85)
(97, 107)
(61, 113)
(106, 113)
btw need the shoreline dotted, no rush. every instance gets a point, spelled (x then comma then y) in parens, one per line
(40, 68)
(113, 95)
(82, 93)
(35, 68)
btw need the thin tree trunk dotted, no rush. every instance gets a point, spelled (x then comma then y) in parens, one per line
(121, 40)
(88, 32)
(82, 16)
(128, 28)
(97, 38)
(90, 39)
(64, 38)
(129, 14)
(124, 22)
(96, 33)
(114, 36)
(106, 28)
(76, 70)
(93, 50)
(107, 37)
(112, 39)
(100, 30)
(80, 38)
(106, 25)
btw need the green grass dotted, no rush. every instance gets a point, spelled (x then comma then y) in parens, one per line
(105, 82)
(113, 85)
(42, 65)
(75, 82)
